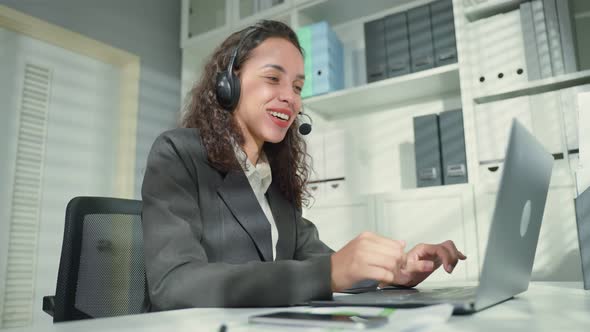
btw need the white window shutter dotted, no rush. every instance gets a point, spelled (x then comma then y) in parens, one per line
(26, 198)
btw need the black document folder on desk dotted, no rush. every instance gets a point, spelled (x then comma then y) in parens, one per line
(452, 141)
(583, 222)
(427, 151)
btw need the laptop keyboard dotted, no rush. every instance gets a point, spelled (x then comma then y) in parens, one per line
(435, 294)
(412, 295)
(460, 293)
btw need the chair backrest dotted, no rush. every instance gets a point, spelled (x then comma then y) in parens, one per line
(101, 270)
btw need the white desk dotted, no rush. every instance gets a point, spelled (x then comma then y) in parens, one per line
(544, 307)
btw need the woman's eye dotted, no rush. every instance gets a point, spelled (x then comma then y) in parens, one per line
(298, 89)
(272, 78)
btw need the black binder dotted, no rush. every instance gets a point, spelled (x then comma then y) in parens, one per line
(443, 32)
(427, 151)
(420, 31)
(375, 51)
(452, 140)
(397, 44)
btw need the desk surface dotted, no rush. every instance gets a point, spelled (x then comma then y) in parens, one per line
(546, 306)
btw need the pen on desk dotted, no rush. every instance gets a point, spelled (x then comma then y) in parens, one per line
(223, 328)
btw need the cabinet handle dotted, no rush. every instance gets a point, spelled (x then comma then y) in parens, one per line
(314, 188)
(493, 168)
(335, 185)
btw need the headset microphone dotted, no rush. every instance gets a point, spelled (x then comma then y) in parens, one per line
(305, 128)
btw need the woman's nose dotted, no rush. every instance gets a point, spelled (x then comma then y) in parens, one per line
(288, 95)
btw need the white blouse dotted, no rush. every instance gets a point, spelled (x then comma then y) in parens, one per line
(260, 178)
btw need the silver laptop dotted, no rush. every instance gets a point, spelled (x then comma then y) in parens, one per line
(512, 240)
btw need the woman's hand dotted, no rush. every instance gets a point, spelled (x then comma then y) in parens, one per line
(368, 256)
(424, 259)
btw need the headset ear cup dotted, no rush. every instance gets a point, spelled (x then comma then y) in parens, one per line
(235, 91)
(223, 89)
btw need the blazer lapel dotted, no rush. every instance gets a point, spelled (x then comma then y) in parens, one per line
(284, 215)
(237, 194)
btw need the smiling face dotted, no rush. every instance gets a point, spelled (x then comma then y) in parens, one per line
(270, 97)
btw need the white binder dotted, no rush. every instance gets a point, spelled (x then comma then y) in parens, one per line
(498, 51)
(542, 40)
(530, 41)
(566, 31)
(554, 37)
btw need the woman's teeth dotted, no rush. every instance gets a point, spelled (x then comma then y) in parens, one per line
(281, 116)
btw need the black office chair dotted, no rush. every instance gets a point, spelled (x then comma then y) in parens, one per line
(101, 269)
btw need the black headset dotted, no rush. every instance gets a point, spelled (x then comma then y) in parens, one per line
(227, 84)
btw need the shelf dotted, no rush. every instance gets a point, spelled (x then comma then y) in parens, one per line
(384, 94)
(538, 86)
(491, 8)
(336, 12)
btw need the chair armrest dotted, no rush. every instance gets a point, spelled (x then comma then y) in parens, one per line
(49, 304)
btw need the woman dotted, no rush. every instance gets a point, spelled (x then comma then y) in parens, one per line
(223, 195)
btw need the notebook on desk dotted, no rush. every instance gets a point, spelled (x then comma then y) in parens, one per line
(512, 241)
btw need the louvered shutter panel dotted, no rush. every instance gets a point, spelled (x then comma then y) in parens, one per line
(26, 197)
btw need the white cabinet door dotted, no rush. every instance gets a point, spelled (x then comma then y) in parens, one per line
(492, 122)
(561, 176)
(332, 167)
(338, 224)
(437, 216)
(557, 256)
(75, 145)
(547, 120)
(330, 150)
(315, 148)
(540, 114)
(336, 150)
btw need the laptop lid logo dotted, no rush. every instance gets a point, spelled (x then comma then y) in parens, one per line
(525, 218)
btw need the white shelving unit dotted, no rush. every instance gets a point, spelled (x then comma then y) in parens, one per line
(376, 120)
(538, 99)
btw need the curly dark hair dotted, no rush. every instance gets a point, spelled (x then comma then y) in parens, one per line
(219, 128)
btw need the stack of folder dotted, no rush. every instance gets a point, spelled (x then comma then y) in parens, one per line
(323, 58)
(406, 42)
(549, 35)
(439, 146)
(533, 42)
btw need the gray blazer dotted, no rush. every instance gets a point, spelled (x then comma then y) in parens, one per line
(207, 241)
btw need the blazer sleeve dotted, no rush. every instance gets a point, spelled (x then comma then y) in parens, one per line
(178, 272)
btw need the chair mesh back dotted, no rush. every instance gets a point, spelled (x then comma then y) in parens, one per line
(111, 272)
